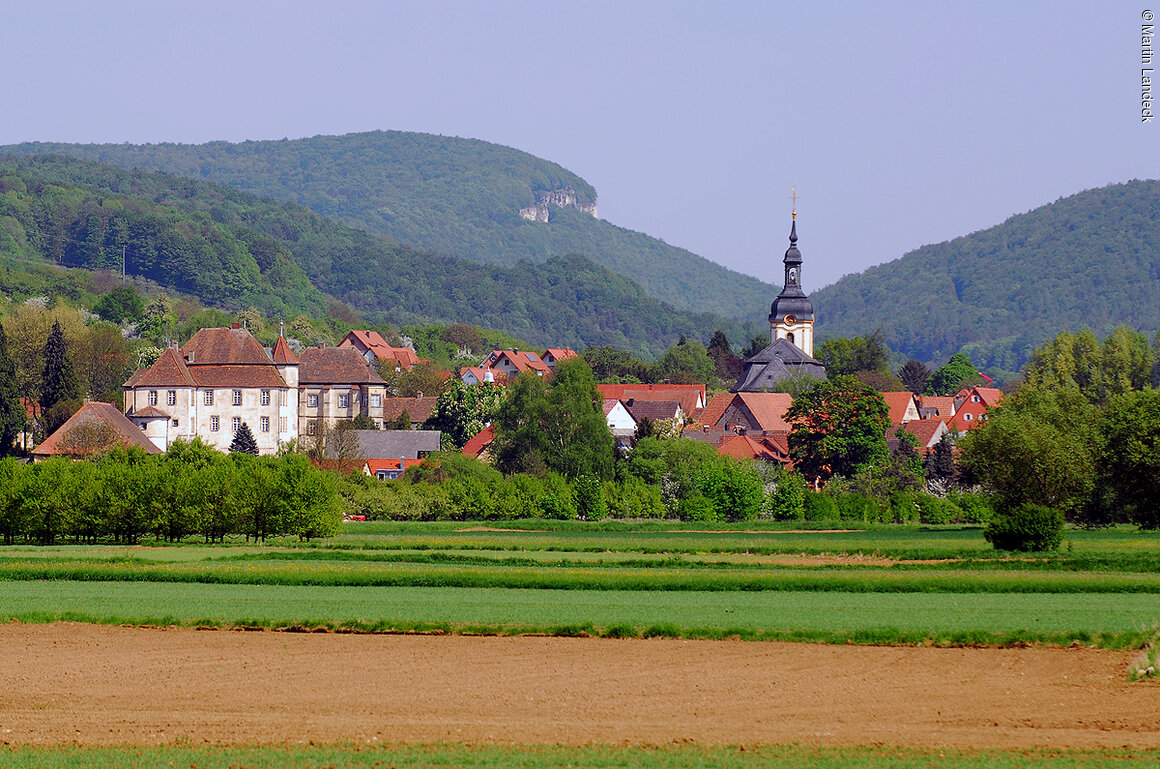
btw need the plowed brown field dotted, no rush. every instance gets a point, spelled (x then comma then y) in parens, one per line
(91, 685)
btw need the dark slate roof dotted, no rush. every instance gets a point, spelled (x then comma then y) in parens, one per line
(778, 361)
(652, 410)
(396, 444)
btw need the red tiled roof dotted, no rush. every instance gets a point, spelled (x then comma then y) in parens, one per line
(123, 432)
(714, 410)
(135, 377)
(31, 408)
(747, 447)
(521, 360)
(560, 353)
(372, 466)
(418, 409)
(655, 392)
(335, 365)
(925, 430)
(283, 355)
(149, 412)
(897, 402)
(481, 372)
(945, 404)
(653, 410)
(479, 442)
(237, 376)
(169, 370)
(767, 408)
(233, 346)
(989, 395)
(373, 341)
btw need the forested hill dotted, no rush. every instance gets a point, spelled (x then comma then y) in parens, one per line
(453, 196)
(233, 249)
(1092, 259)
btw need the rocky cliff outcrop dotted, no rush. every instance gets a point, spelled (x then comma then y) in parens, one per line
(564, 197)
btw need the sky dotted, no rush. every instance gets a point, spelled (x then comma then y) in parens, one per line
(897, 123)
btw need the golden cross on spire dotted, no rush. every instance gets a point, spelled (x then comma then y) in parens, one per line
(793, 190)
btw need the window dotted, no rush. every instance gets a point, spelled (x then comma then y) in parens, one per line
(344, 401)
(171, 397)
(310, 428)
(152, 397)
(265, 397)
(209, 399)
(376, 400)
(974, 399)
(968, 417)
(312, 402)
(213, 424)
(237, 424)
(282, 424)
(175, 423)
(265, 424)
(237, 397)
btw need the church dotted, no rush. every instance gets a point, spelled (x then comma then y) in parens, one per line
(791, 332)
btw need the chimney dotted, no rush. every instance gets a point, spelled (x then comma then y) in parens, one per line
(235, 325)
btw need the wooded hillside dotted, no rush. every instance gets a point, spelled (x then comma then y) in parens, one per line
(458, 197)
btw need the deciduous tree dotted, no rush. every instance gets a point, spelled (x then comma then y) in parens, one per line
(838, 426)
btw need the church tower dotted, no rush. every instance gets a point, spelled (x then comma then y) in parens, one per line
(791, 316)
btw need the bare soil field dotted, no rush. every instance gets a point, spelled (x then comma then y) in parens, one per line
(93, 685)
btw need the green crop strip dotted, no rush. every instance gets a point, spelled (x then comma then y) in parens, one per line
(574, 577)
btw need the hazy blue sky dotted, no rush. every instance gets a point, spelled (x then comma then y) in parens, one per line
(900, 123)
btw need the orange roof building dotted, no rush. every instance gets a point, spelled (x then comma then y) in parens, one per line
(96, 427)
(902, 406)
(372, 346)
(218, 380)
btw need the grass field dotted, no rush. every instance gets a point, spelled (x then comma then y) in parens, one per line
(753, 581)
(530, 757)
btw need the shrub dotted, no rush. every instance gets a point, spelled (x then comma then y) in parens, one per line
(903, 508)
(975, 506)
(1027, 527)
(787, 500)
(590, 503)
(853, 506)
(933, 510)
(819, 506)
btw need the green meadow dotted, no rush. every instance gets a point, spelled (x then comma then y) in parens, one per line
(884, 584)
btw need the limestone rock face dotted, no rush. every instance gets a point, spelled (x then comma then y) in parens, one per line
(564, 198)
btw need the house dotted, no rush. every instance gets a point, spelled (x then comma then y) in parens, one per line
(374, 349)
(620, 422)
(473, 375)
(928, 432)
(713, 411)
(655, 411)
(554, 355)
(936, 407)
(335, 384)
(971, 406)
(94, 428)
(479, 445)
(514, 362)
(418, 409)
(218, 380)
(767, 448)
(902, 406)
(396, 444)
(389, 469)
(757, 412)
(690, 396)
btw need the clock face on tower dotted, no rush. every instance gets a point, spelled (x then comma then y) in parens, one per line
(790, 320)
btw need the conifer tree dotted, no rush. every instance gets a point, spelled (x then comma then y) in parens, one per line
(244, 441)
(11, 412)
(59, 382)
